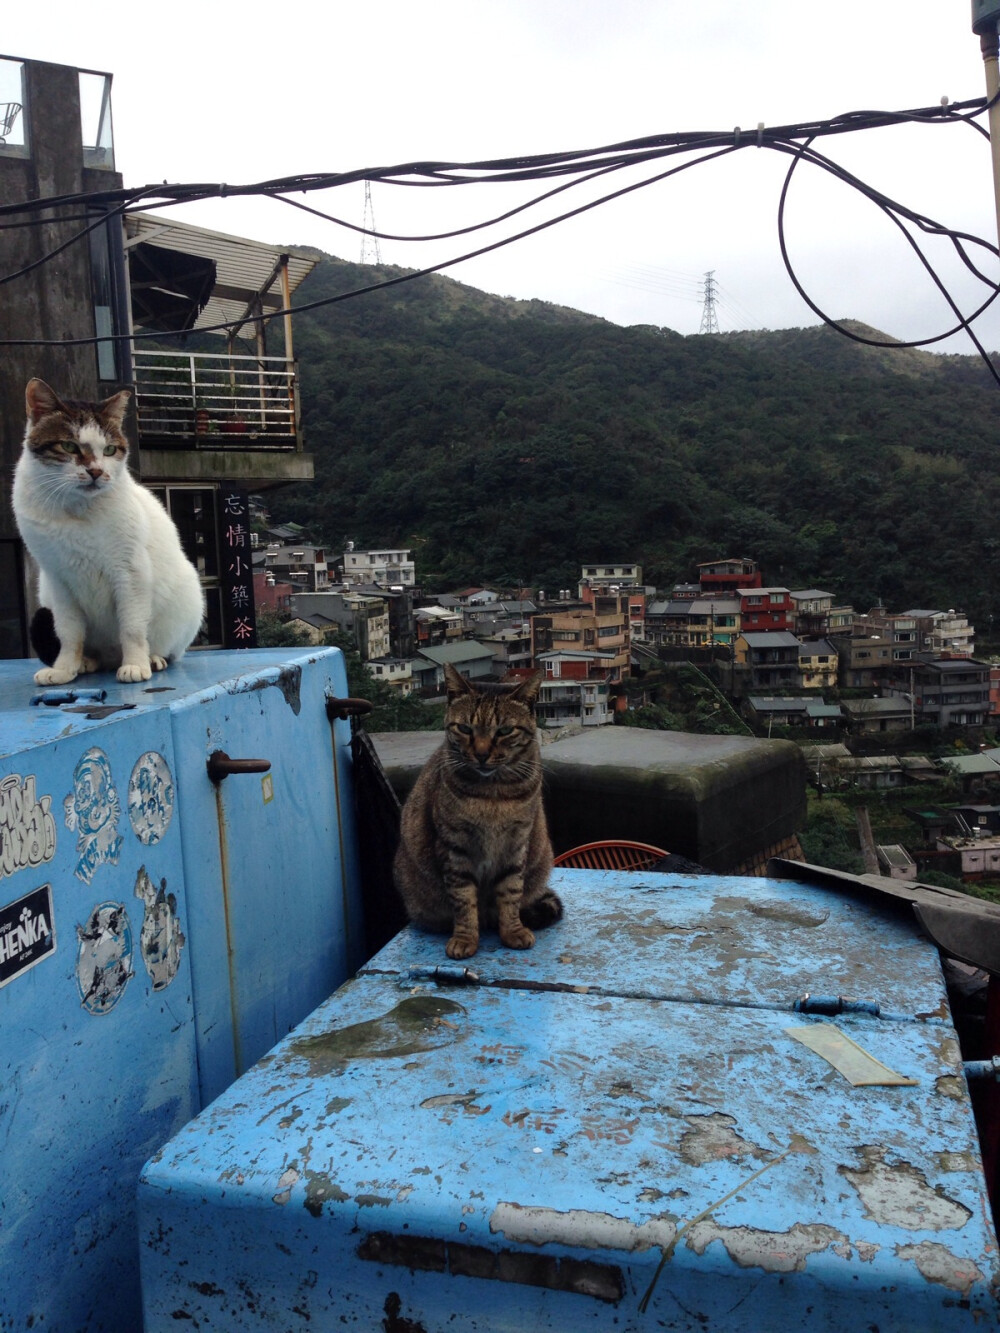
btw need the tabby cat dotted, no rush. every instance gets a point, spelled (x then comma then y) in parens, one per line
(115, 588)
(474, 847)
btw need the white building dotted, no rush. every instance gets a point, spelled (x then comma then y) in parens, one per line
(389, 568)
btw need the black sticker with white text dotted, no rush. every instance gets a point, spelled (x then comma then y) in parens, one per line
(27, 933)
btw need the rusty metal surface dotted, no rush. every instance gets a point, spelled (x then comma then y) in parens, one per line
(524, 1157)
(709, 939)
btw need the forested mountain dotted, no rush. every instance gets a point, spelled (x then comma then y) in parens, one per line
(510, 442)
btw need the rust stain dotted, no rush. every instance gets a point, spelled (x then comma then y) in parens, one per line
(583, 1277)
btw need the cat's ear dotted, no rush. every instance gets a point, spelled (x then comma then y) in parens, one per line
(455, 683)
(40, 400)
(113, 408)
(527, 691)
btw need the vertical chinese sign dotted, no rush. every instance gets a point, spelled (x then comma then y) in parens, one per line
(239, 621)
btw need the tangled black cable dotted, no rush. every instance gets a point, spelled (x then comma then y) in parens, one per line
(581, 166)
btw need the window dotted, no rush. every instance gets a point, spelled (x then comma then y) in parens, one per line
(95, 120)
(13, 117)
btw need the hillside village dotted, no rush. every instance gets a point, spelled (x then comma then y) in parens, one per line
(783, 651)
(852, 687)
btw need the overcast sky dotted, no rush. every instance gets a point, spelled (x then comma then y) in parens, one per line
(214, 91)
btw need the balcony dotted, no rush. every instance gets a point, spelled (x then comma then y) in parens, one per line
(214, 416)
(206, 400)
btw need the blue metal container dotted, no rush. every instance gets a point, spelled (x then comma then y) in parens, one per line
(158, 933)
(616, 1129)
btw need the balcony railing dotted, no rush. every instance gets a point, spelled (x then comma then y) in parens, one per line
(206, 400)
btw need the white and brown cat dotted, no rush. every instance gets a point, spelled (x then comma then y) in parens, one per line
(112, 572)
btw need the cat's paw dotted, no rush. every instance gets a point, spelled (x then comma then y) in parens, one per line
(519, 937)
(158, 663)
(89, 665)
(461, 946)
(130, 672)
(50, 676)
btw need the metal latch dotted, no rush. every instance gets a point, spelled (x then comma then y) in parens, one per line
(56, 698)
(220, 765)
(345, 708)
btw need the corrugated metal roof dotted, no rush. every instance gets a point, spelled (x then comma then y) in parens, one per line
(244, 268)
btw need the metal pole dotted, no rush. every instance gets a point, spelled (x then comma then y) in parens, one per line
(989, 44)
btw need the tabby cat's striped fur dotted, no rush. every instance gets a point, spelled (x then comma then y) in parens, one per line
(474, 847)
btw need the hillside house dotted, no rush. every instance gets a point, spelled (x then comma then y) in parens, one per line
(511, 648)
(818, 664)
(601, 633)
(947, 692)
(563, 700)
(395, 672)
(437, 625)
(399, 602)
(769, 660)
(765, 711)
(304, 567)
(473, 660)
(864, 658)
(719, 577)
(364, 619)
(602, 577)
(944, 633)
(765, 610)
(867, 716)
(811, 609)
(389, 568)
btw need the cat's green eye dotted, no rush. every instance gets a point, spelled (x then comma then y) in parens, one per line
(69, 446)
(504, 731)
(110, 449)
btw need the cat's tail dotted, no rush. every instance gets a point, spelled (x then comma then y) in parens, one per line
(542, 911)
(43, 636)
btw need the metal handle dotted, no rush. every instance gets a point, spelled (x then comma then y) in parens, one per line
(345, 708)
(220, 765)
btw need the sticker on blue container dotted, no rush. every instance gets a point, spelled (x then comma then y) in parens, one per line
(92, 812)
(161, 938)
(27, 825)
(27, 933)
(104, 963)
(150, 797)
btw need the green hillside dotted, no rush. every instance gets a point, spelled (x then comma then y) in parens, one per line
(510, 441)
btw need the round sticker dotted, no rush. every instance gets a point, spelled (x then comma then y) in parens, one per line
(150, 797)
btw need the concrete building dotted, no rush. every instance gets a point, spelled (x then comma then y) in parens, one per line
(599, 633)
(206, 427)
(388, 567)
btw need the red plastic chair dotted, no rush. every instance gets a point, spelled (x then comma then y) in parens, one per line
(611, 855)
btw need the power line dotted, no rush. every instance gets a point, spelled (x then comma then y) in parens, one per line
(580, 166)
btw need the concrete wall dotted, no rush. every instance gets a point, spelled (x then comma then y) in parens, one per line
(717, 800)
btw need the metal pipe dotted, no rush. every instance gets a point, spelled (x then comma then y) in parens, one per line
(989, 44)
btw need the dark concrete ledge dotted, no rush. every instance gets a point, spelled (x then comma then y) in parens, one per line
(718, 800)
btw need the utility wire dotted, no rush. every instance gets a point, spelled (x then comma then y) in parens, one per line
(583, 166)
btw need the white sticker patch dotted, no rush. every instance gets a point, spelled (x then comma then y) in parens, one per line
(161, 938)
(27, 825)
(150, 798)
(104, 963)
